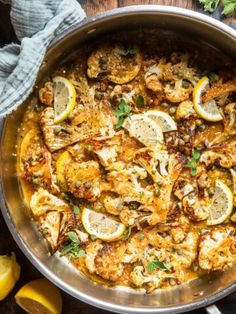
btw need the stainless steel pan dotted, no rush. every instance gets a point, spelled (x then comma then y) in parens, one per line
(195, 294)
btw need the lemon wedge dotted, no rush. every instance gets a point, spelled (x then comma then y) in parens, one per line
(208, 110)
(101, 226)
(9, 274)
(39, 296)
(163, 119)
(222, 204)
(64, 98)
(144, 129)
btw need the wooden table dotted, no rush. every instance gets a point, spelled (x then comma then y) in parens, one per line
(7, 244)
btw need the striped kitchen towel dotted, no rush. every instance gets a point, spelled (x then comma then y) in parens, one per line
(36, 24)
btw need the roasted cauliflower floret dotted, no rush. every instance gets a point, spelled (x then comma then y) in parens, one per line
(217, 248)
(135, 247)
(46, 94)
(185, 252)
(83, 179)
(130, 217)
(195, 207)
(116, 63)
(125, 182)
(154, 160)
(60, 135)
(36, 161)
(223, 154)
(92, 250)
(182, 188)
(178, 92)
(106, 149)
(185, 110)
(113, 205)
(153, 75)
(108, 262)
(52, 213)
(218, 89)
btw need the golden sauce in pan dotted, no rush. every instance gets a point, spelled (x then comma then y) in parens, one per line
(132, 183)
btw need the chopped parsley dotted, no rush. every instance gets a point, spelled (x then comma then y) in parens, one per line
(67, 196)
(210, 5)
(76, 210)
(73, 247)
(192, 164)
(122, 112)
(213, 77)
(157, 264)
(140, 101)
(229, 6)
(127, 234)
(130, 50)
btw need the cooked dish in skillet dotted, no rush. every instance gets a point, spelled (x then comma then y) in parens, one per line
(127, 162)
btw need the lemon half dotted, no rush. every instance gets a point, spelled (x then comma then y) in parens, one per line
(101, 226)
(39, 296)
(64, 98)
(222, 204)
(208, 110)
(9, 274)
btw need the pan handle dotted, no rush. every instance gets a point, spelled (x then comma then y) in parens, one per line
(212, 309)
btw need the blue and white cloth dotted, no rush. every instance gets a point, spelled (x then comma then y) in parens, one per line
(36, 24)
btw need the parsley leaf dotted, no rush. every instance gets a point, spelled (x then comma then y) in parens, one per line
(130, 50)
(140, 101)
(193, 162)
(122, 112)
(73, 236)
(73, 248)
(193, 171)
(127, 234)
(157, 264)
(210, 5)
(196, 154)
(213, 77)
(229, 7)
(76, 210)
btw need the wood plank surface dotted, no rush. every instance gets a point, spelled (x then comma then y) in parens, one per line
(7, 244)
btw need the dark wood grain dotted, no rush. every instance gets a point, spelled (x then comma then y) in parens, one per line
(7, 244)
(93, 7)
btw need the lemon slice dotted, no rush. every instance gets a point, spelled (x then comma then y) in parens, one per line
(9, 274)
(208, 110)
(222, 204)
(101, 226)
(144, 129)
(64, 98)
(39, 296)
(163, 119)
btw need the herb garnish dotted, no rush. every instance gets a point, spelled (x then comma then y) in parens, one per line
(157, 264)
(127, 234)
(213, 77)
(130, 50)
(76, 210)
(140, 101)
(193, 162)
(67, 196)
(73, 248)
(229, 6)
(122, 112)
